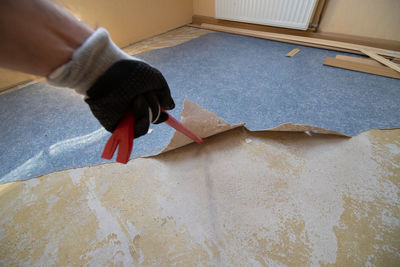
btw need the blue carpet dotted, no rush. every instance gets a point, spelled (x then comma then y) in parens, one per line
(241, 79)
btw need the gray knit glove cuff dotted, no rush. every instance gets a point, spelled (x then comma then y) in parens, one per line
(88, 63)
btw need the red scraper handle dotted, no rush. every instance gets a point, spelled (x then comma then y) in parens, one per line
(123, 138)
(181, 128)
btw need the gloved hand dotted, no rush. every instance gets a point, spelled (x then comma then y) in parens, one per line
(115, 83)
(130, 85)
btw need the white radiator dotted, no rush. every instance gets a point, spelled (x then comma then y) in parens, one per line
(295, 14)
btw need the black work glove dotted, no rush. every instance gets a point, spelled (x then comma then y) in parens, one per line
(130, 85)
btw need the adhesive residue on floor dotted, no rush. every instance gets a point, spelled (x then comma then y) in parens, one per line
(285, 198)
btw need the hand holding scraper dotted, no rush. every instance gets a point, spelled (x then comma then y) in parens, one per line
(134, 86)
(123, 137)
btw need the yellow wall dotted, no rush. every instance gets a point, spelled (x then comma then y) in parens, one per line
(204, 8)
(366, 18)
(128, 21)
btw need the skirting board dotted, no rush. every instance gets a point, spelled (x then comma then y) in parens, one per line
(357, 66)
(282, 40)
(307, 41)
(366, 41)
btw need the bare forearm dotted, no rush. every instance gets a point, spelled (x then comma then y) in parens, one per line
(38, 36)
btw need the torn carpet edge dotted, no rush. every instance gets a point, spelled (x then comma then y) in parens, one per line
(206, 124)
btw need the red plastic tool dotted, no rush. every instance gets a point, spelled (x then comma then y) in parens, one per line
(180, 128)
(123, 137)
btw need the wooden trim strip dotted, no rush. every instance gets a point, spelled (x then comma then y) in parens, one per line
(367, 41)
(293, 52)
(15, 86)
(351, 65)
(362, 60)
(289, 41)
(334, 45)
(382, 60)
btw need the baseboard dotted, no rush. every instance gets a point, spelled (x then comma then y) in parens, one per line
(15, 86)
(373, 42)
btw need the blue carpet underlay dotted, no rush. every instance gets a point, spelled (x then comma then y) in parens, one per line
(241, 79)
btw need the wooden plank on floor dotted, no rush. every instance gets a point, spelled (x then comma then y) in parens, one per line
(367, 61)
(293, 52)
(382, 60)
(351, 65)
(307, 41)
